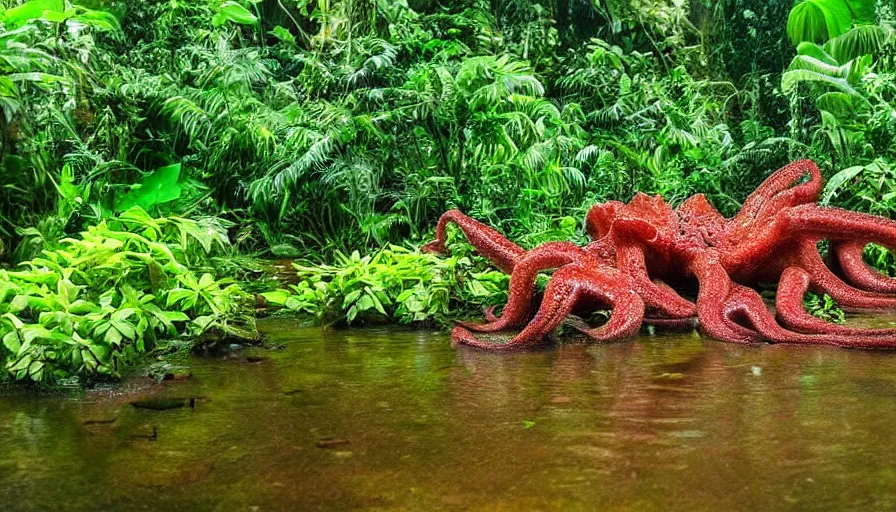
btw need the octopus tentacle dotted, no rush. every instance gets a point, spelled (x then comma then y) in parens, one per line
(522, 283)
(656, 318)
(848, 256)
(735, 313)
(661, 297)
(848, 297)
(838, 224)
(778, 191)
(503, 253)
(489, 314)
(747, 302)
(599, 219)
(792, 287)
(610, 286)
(560, 296)
(715, 288)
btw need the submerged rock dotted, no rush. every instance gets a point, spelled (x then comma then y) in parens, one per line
(328, 443)
(164, 404)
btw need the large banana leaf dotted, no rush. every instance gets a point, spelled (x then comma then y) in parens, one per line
(838, 103)
(810, 49)
(35, 9)
(858, 41)
(792, 78)
(821, 20)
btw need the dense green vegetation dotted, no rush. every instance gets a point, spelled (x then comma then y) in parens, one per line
(122, 288)
(337, 131)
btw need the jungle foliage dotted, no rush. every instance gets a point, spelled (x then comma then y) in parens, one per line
(337, 131)
(94, 304)
(317, 126)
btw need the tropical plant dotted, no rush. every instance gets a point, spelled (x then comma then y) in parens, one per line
(394, 284)
(94, 305)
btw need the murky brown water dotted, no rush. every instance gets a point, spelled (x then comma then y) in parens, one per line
(406, 423)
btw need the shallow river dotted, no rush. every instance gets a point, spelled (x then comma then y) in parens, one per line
(397, 420)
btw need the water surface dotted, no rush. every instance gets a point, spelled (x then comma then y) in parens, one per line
(397, 420)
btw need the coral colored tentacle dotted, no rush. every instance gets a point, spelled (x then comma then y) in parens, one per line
(848, 297)
(779, 191)
(837, 224)
(625, 320)
(747, 302)
(489, 314)
(560, 297)
(715, 287)
(522, 283)
(630, 260)
(609, 286)
(599, 219)
(792, 314)
(503, 253)
(848, 256)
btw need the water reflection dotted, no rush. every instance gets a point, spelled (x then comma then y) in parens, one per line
(395, 419)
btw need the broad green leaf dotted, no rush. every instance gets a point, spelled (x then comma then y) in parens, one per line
(21, 364)
(376, 302)
(157, 188)
(833, 185)
(351, 297)
(207, 281)
(36, 78)
(35, 368)
(234, 12)
(203, 322)
(283, 35)
(414, 305)
(791, 78)
(173, 316)
(293, 304)
(818, 20)
(11, 342)
(811, 49)
(838, 103)
(32, 10)
(365, 303)
(858, 41)
(277, 297)
(113, 337)
(98, 20)
(179, 294)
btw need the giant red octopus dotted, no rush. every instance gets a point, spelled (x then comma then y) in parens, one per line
(642, 249)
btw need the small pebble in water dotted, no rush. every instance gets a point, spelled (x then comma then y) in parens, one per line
(757, 371)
